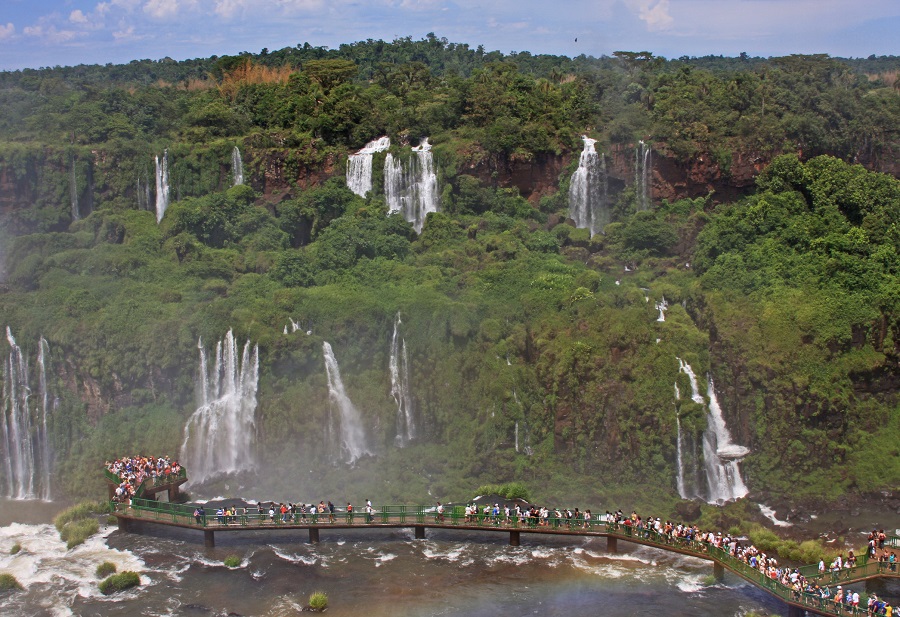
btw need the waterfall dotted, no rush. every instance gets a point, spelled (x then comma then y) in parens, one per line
(399, 367)
(411, 189)
(679, 458)
(720, 455)
(643, 167)
(662, 306)
(237, 167)
(589, 190)
(162, 185)
(219, 435)
(73, 190)
(26, 459)
(348, 424)
(43, 435)
(359, 166)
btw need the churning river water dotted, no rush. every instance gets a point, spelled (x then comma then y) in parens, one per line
(371, 572)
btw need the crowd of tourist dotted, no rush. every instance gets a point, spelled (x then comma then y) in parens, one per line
(133, 470)
(280, 512)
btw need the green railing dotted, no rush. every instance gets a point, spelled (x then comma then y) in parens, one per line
(456, 517)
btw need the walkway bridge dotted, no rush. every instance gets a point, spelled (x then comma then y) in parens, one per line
(420, 518)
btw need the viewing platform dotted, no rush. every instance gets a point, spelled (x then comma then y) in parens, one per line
(419, 518)
(150, 487)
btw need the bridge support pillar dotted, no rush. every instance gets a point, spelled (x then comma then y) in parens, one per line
(612, 544)
(718, 571)
(173, 493)
(313, 535)
(514, 538)
(123, 524)
(420, 532)
(209, 538)
(795, 611)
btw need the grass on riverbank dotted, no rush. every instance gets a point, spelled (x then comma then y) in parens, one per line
(119, 582)
(78, 523)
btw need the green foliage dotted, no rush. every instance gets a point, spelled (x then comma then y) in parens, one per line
(508, 490)
(232, 561)
(318, 601)
(76, 532)
(119, 582)
(16, 548)
(9, 583)
(78, 512)
(106, 569)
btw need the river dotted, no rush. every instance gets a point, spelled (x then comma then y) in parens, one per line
(378, 573)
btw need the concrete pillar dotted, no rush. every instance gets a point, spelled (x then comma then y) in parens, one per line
(514, 538)
(718, 571)
(612, 544)
(420, 532)
(123, 524)
(313, 535)
(209, 538)
(173, 493)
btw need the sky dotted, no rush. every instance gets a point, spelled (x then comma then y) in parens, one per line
(46, 33)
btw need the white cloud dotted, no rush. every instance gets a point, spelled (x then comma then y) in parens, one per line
(49, 34)
(656, 16)
(161, 9)
(77, 17)
(7, 31)
(228, 8)
(124, 33)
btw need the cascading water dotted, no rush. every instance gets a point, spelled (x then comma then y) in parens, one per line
(720, 455)
(219, 435)
(26, 453)
(162, 185)
(73, 190)
(662, 306)
(589, 190)
(359, 166)
(237, 167)
(643, 167)
(399, 367)
(411, 189)
(679, 457)
(347, 426)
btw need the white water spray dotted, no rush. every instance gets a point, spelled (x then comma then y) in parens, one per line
(26, 455)
(348, 423)
(643, 168)
(162, 185)
(662, 306)
(399, 367)
(411, 189)
(720, 455)
(589, 191)
(237, 167)
(359, 166)
(219, 436)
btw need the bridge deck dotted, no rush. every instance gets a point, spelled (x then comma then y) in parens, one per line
(417, 518)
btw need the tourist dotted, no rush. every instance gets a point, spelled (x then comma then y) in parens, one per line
(370, 512)
(440, 512)
(330, 512)
(349, 513)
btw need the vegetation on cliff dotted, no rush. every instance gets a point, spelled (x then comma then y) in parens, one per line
(535, 351)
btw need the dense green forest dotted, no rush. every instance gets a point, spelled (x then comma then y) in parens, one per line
(535, 352)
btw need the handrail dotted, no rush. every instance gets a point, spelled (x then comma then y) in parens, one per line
(455, 517)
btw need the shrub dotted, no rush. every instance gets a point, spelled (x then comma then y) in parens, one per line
(76, 532)
(8, 582)
(15, 549)
(79, 511)
(119, 582)
(232, 561)
(105, 569)
(510, 490)
(318, 601)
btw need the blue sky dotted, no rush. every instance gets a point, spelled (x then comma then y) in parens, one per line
(37, 33)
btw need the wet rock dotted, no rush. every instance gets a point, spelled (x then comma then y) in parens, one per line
(688, 510)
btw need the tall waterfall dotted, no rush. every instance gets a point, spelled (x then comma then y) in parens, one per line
(347, 426)
(237, 167)
(589, 190)
(359, 166)
(643, 168)
(26, 452)
(720, 455)
(399, 366)
(412, 188)
(162, 185)
(662, 306)
(73, 191)
(219, 435)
